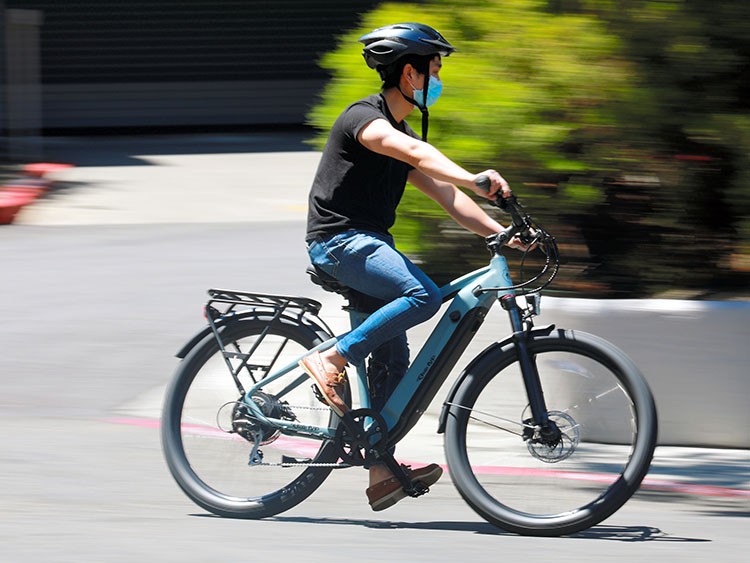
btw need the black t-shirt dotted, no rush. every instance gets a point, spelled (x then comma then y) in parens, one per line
(354, 187)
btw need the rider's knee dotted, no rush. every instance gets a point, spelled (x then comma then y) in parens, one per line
(427, 301)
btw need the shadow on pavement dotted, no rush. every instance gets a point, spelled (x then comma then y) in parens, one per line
(609, 533)
(705, 467)
(632, 534)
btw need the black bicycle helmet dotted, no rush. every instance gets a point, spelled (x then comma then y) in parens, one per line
(386, 45)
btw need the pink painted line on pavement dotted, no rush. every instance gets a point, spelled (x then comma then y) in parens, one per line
(142, 422)
(304, 447)
(291, 444)
(698, 490)
(649, 483)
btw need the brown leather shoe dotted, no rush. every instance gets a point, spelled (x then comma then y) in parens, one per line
(388, 492)
(331, 385)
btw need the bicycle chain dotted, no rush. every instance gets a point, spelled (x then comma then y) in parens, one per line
(311, 464)
(308, 408)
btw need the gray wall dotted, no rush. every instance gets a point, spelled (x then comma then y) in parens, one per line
(160, 63)
(2, 72)
(695, 355)
(20, 75)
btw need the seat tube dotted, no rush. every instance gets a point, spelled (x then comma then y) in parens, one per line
(356, 318)
(527, 362)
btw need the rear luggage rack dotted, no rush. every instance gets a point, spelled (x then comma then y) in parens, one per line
(228, 301)
(224, 305)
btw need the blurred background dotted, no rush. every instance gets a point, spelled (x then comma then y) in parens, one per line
(625, 124)
(193, 128)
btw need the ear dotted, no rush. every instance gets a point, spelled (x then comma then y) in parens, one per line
(409, 72)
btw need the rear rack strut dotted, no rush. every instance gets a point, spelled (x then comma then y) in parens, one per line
(224, 304)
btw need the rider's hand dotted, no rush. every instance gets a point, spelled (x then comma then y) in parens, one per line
(518, 244)
(497, 184)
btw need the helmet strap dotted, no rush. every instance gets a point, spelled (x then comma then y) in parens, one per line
(423, 107)
(425, 122)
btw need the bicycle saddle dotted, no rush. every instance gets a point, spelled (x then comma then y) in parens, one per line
(357, 301)
(326, 281)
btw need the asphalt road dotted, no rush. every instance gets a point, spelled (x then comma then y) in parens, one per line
(92, 317)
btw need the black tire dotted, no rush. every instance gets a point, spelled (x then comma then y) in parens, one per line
(211, 465)
(602, 404)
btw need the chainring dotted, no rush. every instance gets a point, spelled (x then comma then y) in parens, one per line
(358, 444)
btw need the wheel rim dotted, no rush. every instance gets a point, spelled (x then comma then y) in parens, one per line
(217, 443)
(508, 478)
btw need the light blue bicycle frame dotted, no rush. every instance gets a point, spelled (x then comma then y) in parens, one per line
(473, 297)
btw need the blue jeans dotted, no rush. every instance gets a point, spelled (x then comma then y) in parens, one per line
(369, 263)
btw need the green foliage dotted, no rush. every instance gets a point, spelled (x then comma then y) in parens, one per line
(623, 125)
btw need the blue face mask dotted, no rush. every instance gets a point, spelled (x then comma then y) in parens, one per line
(433, 93)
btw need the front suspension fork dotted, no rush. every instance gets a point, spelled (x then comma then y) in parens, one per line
(527, 362)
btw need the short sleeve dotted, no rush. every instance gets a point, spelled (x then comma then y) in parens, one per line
(357, 116)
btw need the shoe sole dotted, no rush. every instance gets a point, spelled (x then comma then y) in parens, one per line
(333, 407)
(399, 494)
(388, 500)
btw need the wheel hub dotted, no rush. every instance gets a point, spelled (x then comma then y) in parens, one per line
(243, 423)
(554, 442)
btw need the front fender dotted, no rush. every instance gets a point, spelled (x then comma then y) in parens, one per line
(508, 345)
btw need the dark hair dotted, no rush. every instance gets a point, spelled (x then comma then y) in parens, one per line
(392, 73)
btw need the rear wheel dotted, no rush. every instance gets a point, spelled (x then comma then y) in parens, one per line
(208, 438)
(567, 477)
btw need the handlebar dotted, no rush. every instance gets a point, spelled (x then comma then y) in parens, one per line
(520, 221)
(529, 232)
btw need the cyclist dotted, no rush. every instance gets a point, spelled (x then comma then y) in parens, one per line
(370, 155)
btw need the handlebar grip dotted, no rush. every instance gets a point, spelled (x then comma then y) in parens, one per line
(508, 204)
(483, 183)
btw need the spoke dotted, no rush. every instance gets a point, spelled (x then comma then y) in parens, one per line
(495, 426)
(595, 398)
(507, 420)
(602, 394)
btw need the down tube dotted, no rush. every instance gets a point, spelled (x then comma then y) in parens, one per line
(429, 369)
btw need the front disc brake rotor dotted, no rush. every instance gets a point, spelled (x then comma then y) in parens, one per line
(558, 443)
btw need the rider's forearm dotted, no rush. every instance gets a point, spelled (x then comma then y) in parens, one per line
(429, 160)
(470, 216)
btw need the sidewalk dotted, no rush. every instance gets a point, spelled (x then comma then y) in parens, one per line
(188, 179)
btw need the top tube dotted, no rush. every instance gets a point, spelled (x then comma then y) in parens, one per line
(449, 290)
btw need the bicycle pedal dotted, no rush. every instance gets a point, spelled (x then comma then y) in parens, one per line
(318, 395)
(417, 490)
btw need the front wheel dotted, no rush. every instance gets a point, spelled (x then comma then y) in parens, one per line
(549, 484)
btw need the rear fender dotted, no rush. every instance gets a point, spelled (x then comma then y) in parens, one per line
(223, 323)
